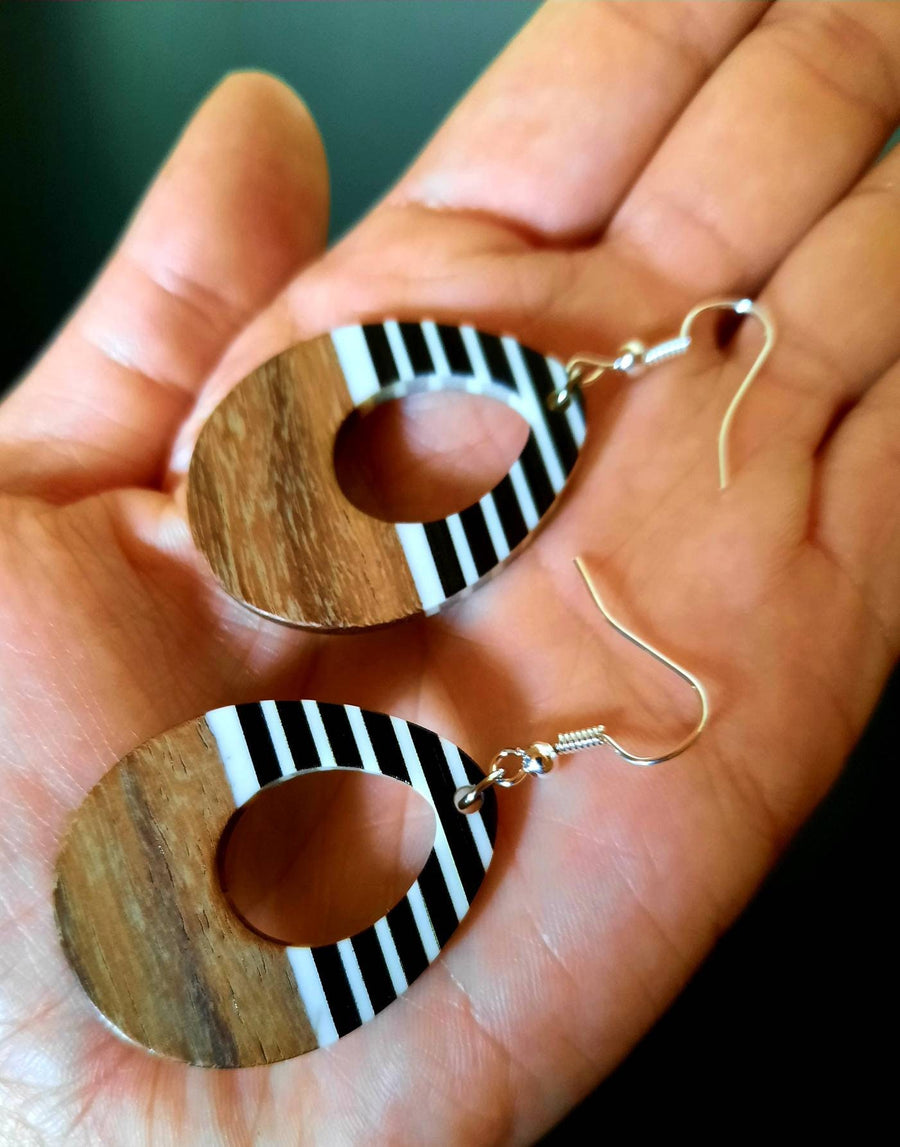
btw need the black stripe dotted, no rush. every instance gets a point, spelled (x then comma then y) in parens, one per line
(488, 812)
(340, 735)
(385, 745)
(337, 988)
(431, 879)
(374, 969)
(445, 559)
(455, 350)
(483, 553)
(262, 751)
(456, 828)
(555, 421)
(509, 512)
(417, 348)
(298, 734)
(382, 356)
(536, 475)
(408, 942)
(437, 900)
(497, 362)
(387, 753)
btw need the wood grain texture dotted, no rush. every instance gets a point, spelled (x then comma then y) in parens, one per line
(146, 927)
(266, 509)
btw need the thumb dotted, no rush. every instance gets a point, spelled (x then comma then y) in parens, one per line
(238, 208)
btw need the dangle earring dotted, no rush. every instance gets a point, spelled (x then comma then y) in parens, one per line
(264, 503)
(142, 913)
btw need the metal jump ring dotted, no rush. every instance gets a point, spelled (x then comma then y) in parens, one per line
(503, 780)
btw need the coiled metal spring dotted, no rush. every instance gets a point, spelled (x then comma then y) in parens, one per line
(578, 739)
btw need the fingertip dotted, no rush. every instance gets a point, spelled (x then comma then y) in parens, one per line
(242, 202)
(239, 208)
(264, 94)
(271, 117)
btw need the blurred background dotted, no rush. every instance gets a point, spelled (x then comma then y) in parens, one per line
(788, 1023)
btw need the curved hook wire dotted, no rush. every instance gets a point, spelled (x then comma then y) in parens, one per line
(538, 759)
(580, 372)
(597, 735)
(633, 358)
(740, 307)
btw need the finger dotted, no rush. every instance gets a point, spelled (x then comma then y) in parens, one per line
(857, 520)
(835, 301)
(775, 137)
(541, 149)
(553, 134)
(241, 203)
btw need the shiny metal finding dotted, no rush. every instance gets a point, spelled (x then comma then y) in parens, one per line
(596, 735)
(634, 358)
(539, 757)
(582, 371)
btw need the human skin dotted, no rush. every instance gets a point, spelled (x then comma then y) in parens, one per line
(617, 165)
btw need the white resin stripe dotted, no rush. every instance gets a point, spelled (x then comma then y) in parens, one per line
(286, 761)
(382, 928)
(399, 389)
(494, 526)
(575, 419)
(463, 552)
(574, 413)
(312, 994)
(363, 741)
(476, 356)
(356, 363)
(475, 821)
(442, 849)
(226, 728)
(442, 370)
(535, 414)
(423, 921)
(355, 980)
(421, 563)
(319, 736)
(238, 764)
(523, 495)
(398, 349)
(391, 956)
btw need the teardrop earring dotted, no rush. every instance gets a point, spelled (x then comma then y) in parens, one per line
(264, 502)
(143, 918)
(146, 925)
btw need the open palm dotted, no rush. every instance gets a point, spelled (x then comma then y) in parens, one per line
(617, 165)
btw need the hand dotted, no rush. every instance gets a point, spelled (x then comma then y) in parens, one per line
(616, 166)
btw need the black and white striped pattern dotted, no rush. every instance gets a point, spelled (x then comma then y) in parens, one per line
(382, 361)
(344, 985)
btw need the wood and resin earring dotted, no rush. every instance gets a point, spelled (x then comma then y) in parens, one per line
(144, 919)
(141, 911)
(147, 927)
(280, 536)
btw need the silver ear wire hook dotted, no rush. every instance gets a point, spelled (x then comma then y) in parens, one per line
(597, 735)
(740, 307)
(634, 358)
(582, 371)
(540, 757)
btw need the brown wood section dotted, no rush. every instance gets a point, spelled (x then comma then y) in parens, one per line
(146, 927)
(266, 509)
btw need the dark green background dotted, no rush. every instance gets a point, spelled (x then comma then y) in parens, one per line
(779, 1027)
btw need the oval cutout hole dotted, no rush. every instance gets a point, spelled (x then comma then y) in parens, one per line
(428, 455)
(322, 855)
